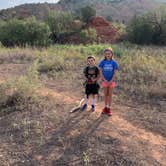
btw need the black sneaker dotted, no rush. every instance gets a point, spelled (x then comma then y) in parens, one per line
(92, 108)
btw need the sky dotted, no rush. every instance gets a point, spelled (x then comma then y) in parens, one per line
(11, 3)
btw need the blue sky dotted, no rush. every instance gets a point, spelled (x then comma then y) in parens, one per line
(11, 3)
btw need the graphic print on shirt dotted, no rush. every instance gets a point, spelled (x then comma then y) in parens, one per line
(91, 73)
(108, 67)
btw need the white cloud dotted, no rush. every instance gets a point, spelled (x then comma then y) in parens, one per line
(11, 3)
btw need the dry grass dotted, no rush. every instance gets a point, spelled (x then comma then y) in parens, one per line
(141, 76)
(37, 130)
(18, 55)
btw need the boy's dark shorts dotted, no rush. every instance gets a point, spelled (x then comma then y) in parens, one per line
(92, 89)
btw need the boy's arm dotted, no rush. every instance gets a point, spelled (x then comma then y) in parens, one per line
(84, 73)
(98, 75)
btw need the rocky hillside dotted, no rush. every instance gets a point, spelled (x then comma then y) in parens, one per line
(119, 10)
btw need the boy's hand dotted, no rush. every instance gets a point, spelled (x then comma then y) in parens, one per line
(94, 79)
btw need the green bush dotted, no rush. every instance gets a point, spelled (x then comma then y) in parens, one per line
(109, 18)
(149, 28)
(21, 33)
(37, 34)
(59, 23)
(140, 31)
(88, 35)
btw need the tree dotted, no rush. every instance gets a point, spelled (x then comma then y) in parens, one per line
(158, 20)
(59, 23)
(109, 18)
(140, 31)
(37, 33)
(87, 13)
(149, 28)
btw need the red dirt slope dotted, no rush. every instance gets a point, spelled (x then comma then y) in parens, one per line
(106, 32)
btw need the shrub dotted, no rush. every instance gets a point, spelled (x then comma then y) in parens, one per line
(37, 34)
(88, 35)
(109, 18)
(141, 72)
(149, 28)
(16, 94)
(138, 29)
(21, 33)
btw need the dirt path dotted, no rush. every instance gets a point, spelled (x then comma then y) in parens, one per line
(134, 139)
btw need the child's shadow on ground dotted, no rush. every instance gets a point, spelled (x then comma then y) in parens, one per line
(75, 144)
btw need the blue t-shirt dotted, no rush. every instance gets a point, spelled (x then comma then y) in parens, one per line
(108, 68)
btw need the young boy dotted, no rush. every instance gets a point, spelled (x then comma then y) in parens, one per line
(92, 74)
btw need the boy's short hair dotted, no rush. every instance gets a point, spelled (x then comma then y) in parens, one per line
(91, 57)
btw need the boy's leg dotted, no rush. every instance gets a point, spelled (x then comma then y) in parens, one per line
(86, 97)
(93, 102)
(84, 107)
(93, 99)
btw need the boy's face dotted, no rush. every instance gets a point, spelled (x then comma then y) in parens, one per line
(108, 54)
(91, 61)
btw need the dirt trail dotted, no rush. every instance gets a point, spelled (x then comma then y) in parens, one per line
(134, 139)
(138, 140)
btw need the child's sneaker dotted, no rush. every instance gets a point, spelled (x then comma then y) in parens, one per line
(104, 111)
(93, 108)
(109, 112)
(84, 107)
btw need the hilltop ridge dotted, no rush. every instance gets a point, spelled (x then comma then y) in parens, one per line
(119, 10)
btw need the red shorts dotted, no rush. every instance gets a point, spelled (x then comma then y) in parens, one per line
(105, 84)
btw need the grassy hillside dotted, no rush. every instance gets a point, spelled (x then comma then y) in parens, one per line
(119, 10)
(40, 11)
